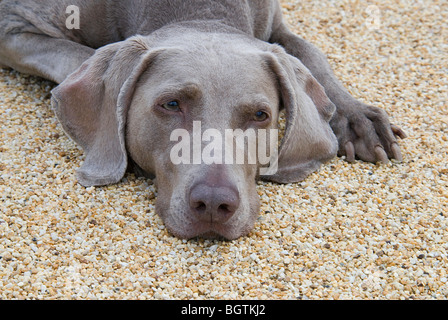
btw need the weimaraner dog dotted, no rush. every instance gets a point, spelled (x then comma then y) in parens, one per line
(136, 71)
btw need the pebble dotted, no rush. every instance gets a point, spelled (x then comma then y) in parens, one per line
(348, 231)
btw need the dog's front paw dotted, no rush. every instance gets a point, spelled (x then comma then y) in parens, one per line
(364, 132)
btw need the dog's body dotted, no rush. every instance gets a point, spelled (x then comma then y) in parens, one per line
(135, 71)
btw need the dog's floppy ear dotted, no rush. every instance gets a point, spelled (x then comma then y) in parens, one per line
(308, 140)
(92, 104)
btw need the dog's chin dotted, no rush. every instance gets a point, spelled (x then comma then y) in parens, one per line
(212, 235)
(209, 232)
(201, 230)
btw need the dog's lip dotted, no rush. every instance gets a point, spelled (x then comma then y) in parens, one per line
(204, 230)
(192, 228)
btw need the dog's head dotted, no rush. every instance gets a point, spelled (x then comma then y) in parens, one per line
(198, 110)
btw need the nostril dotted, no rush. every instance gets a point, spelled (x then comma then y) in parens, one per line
(200, 207)
(224, 207)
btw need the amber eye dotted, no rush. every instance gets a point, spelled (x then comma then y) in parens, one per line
(261, 116)
(173, 106)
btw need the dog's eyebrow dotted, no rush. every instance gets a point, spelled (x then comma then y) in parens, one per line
(189, 91)
(256, 102)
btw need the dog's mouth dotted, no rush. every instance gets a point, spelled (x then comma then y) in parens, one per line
(208, 231)
(190, 229)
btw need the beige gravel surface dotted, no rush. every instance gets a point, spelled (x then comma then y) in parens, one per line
(349, 231)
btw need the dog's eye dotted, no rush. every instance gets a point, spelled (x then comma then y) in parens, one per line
(171, 106)
(261, 116)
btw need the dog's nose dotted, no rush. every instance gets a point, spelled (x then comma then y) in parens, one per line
(215, 204)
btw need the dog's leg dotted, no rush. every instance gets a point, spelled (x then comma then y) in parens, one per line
(41, 55)
(362, 131)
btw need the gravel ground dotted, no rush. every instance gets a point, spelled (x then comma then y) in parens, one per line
(349, 231)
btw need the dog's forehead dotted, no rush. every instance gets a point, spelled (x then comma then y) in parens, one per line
(204, 51)
(233, 73)
(232, 69)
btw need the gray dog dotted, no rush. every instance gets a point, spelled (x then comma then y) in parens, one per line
(136, 71)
